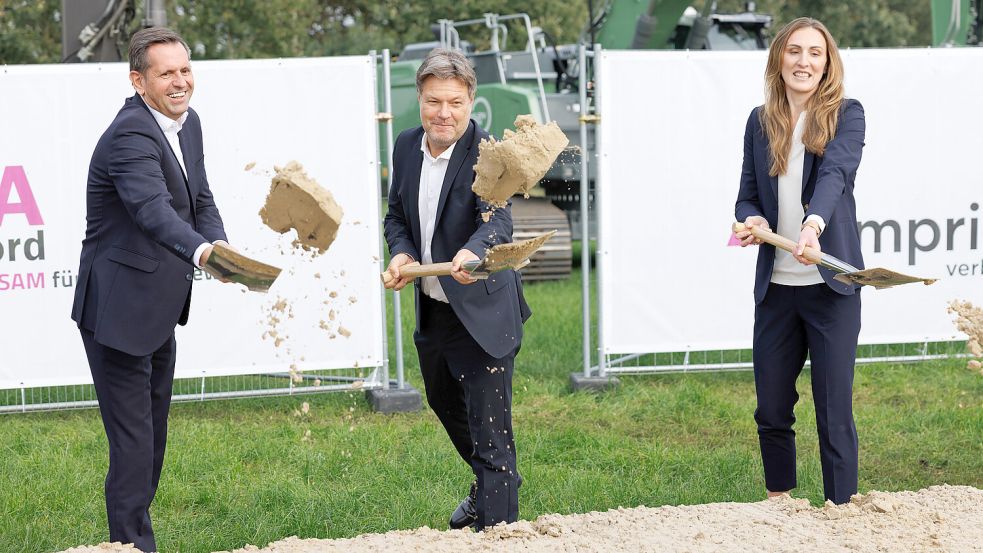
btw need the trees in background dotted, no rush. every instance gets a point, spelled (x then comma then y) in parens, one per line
(30, 30)
(855, 23)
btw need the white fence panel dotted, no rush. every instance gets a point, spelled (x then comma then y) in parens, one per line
(264, 112)
(670, 152)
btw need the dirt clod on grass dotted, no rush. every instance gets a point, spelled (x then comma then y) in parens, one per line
(517, 162)
(297, 202)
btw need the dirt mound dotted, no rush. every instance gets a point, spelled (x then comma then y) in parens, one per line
(115, 547)
(940, 518)
(517, 162)
(297, 202)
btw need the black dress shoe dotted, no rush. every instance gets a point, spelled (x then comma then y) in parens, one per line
(466, 513)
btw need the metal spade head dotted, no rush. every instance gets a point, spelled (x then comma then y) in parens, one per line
(879, 278)
(514, 255)
(226, 264)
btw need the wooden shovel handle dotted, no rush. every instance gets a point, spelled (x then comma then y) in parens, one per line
(416, 270)
(780, 241)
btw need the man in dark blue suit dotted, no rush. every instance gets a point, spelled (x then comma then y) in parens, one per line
(150, 219)
(467, 332)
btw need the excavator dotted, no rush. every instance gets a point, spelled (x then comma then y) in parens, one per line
(541, 78)
(538, 76)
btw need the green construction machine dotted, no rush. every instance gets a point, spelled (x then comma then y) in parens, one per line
(957, 22)
(541, 78)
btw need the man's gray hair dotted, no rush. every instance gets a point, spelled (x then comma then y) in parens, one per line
(446, 64)
(145, 38)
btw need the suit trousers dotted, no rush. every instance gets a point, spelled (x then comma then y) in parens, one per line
(471, 393)
(134, 394)
(790, 322)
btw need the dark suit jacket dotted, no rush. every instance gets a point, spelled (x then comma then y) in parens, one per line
(827, 190)
(492, 310)
(144, 221)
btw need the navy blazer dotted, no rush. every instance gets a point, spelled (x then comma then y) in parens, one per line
(492, 310)
(144, 221)
(827, 191)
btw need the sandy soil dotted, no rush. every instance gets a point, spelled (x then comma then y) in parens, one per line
(940, 518)
(297, 202)
(969, 321)
(517, 162)
(513, 254)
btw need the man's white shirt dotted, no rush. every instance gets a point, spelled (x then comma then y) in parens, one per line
(171, 127)
(432, 173)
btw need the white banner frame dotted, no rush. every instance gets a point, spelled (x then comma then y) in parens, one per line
(680, 116)
(261, 113)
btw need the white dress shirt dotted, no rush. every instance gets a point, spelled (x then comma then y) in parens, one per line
(787, 270)
(432, 173)
(171, 127)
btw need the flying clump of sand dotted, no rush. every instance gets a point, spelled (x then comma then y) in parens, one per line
(518, 161)
(298, 202)
(939, 518)
(969, 321)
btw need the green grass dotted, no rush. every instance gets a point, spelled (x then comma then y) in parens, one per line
(238, 472)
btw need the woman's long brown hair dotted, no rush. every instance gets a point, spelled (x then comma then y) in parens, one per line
(823, 107)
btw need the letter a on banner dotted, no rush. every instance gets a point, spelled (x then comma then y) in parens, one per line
(14, 177)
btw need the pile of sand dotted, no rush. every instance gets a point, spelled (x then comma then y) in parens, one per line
(114, 547)
(940, 518)
(517, 162)
(969, 321)
(297, 202)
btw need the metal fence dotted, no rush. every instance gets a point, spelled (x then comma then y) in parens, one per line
(51, 398)
(734, 360)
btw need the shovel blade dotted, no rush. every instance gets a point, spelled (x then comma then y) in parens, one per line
(513, 255)
(880, 278)
(226, 264)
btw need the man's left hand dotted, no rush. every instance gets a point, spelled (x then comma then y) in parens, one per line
(457, 272)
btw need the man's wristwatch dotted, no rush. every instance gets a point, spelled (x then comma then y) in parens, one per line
(814, 225)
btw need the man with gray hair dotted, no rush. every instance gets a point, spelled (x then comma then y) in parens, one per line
(467, 332)
(150, 220)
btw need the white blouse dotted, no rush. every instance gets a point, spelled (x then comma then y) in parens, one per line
(787, 270)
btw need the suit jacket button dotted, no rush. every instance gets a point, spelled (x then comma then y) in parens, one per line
(188, 277)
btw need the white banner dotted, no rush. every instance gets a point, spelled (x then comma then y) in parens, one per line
(256, 113)
(670, 151)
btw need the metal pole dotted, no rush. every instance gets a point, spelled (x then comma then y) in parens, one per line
(155, 14)
(535, 64)
(385, 337)
(601, 365)
(584, 207)
(397, 310)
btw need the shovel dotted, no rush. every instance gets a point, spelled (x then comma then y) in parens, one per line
(225, 264)
(514, 255)
(846, 273)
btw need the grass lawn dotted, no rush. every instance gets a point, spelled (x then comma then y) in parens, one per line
(239, 472)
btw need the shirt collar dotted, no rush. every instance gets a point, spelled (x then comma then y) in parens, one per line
(446, 154)
(167, 124)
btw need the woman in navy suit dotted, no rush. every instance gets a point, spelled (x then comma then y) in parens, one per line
(801, 153)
